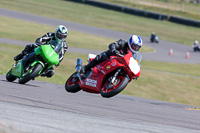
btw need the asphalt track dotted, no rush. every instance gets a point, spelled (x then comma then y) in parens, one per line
(46, 107)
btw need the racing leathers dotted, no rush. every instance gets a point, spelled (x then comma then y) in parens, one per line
(118, 47)
(45, 39)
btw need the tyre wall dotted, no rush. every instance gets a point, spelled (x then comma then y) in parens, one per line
(139, 12)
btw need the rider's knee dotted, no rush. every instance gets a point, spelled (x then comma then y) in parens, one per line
(50, 73)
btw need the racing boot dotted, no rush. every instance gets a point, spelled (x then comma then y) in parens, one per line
(88, 67)
(26, 50)
(19, 56)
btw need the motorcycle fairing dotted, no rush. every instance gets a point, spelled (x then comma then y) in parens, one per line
(91, 57)
(17, 69)
(133, 62)
(94, 82)
(49, 55)
(133, 65)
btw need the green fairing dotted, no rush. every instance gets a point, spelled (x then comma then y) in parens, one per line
(49, 55)
(37, 62)
(17, 71)
(37, 50)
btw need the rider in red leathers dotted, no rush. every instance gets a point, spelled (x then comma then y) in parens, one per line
(119, 47)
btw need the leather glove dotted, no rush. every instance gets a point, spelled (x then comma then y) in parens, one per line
(116, 52)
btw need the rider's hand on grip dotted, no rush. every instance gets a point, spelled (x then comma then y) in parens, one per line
(116, 52)
(38, 44)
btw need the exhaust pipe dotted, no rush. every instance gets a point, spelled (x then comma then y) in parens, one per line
(78, 65)
(78, 68)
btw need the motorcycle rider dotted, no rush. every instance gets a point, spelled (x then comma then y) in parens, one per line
(153, 37)
(196, 46)
(119, 47)
(60, 36)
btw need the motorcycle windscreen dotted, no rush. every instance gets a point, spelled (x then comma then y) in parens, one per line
(133, 60)
(49, 55)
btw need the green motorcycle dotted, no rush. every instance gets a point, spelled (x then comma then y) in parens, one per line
(35, 63)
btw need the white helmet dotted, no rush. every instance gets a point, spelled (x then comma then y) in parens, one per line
(196, 42)
(134, 43)
(61, 33)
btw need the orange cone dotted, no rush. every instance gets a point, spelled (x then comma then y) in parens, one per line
(171, 52)
(188, 55)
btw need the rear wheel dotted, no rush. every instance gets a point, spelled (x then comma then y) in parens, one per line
(10, 77)
(109, 89)
(37, 68)
(72, 85)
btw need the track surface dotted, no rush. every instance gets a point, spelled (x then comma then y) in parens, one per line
(45, 107)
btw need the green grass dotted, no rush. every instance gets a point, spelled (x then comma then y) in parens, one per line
(185, 69)
(166, 87)
(107, 19)
(151, 84)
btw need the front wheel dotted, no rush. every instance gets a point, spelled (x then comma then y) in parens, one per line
(37, 68)
(110, 90)
(72, 85)
(10, 77)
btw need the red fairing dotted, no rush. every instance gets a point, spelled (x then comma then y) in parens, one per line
(99, 80)
(138, 74)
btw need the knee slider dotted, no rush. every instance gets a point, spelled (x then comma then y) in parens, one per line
(50, 73)
(104, 57)
(98, 57)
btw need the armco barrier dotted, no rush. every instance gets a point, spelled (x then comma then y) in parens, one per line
(145, 13)
(124, 9)
(184, 21)
(140, 12)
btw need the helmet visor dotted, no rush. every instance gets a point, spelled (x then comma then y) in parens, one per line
(61, 36)
(135, 47)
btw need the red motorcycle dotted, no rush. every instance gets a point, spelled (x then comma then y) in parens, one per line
(109, 77)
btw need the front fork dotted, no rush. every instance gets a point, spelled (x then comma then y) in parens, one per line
(115, 76)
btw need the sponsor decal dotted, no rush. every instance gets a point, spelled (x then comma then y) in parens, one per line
(103, 72)
(91, 82)
(98, 67)
(108, 67)
(113, 63)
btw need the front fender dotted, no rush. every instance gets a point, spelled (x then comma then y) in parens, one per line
(38, 62)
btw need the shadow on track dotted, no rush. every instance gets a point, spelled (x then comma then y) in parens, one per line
(20, 84)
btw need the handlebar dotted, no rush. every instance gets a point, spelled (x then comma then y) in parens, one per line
(120, 55)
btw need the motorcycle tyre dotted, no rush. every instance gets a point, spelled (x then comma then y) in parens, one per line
(116, 90)
(10, 77)
(32, 75)
(74, 88)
